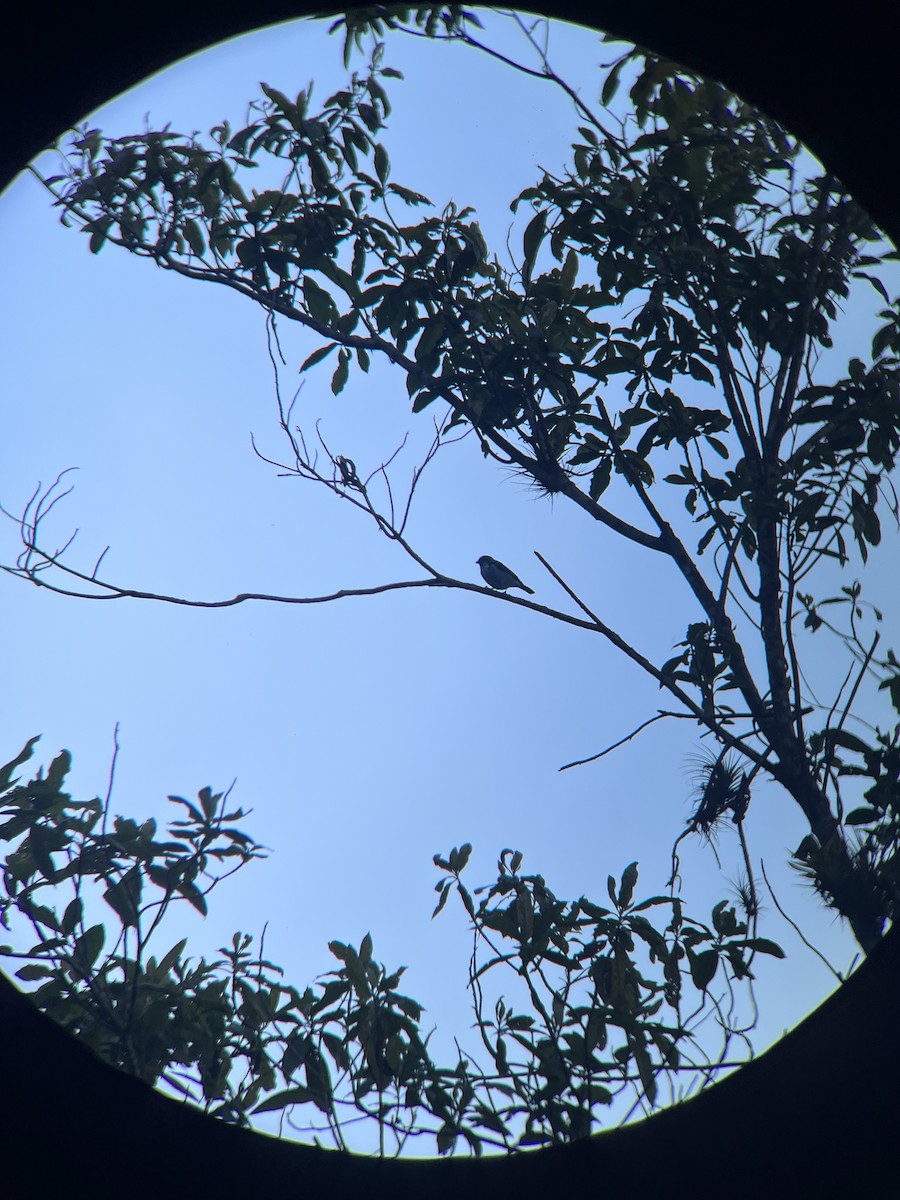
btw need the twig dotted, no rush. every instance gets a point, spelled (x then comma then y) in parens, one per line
(621, 742)
(799, 932)
(112, 776)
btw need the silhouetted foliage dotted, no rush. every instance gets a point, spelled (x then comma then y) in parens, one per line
(658, 335)
(609, 1002)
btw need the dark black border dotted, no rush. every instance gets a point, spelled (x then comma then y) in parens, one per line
(832, 80)
(818, 1114)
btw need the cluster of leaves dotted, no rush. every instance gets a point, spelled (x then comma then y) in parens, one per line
(875, 881)
(689, 220)
(234, 1037)
(158, 1018)
(597, 981)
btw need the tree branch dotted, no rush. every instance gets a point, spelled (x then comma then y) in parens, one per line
(704, 718)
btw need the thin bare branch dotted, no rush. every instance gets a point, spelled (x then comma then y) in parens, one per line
(796, 928)
(621, 742)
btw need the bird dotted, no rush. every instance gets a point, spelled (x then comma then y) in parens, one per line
(500, 577)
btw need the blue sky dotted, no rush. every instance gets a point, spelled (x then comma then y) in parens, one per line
(368, 734)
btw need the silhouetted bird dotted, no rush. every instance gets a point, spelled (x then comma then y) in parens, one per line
(499, 577)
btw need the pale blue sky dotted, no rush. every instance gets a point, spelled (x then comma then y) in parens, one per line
(368, 734)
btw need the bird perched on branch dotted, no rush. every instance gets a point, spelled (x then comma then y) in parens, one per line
(499, 577)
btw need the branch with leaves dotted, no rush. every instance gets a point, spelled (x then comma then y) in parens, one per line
(581, 1026)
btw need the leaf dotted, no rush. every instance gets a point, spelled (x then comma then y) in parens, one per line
(446, 1138)
(569, 272)
(317, 356)
(667, 1048)
(337, 1050)
(645, 1070)
(193, 894)
(875, 282)
(862, 816)
(600, 479)
(629, 879)
(43, 915)
(611, 84)
(194, 812)
(279, 262)
(99, 230)
(249, 252)
(431, 335)
(58, 770)
(423, 399)
(764, 946)
(23, 756)
(525, 913)
(72, 915)
(849, 741)
(33, 971)
(468, 903)
(89, 945)
(699, 370)
(706, 539)
(318, 1077)
(172, 956)
(195, 239)
(279, 99)
(162, 877)
(339, 950)
(345, 281)
(531, 240)
(294, 1095)
(294, 1055)
(407, 196)
(445, 892)
(124, 897)
(342, 373)
(209, 802)
(322, 307)
(724, 919)
(42, 843)
(703, 968)
(558, 1008)
(382, 163)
